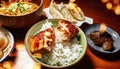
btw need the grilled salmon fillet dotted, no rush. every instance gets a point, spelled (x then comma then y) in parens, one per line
(65, 31)
(43, 41)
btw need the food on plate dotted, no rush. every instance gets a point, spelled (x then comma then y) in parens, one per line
(4, 41)
(67, 15)
(1, 54)
(65, 31)
(54, 10)
(71, 12)
(62, 40)
(102, 40)
(62, 55)
(108, 45)
(76, 11)
(43, 42)
(17, 8)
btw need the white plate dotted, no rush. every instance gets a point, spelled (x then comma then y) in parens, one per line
(78, 23)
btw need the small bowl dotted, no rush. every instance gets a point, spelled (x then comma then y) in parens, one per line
(114, 35)
(10, 44)
(25, 20)
(36, 28)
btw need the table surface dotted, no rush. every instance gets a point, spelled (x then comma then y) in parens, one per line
(19, 58)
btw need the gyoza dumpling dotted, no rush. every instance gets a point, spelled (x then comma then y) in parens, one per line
(54, 10)
(67, 15)
(76, 11)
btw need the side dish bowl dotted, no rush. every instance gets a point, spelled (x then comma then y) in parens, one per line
(8, 48)
(114, 36)
(37, 27)
(25, 20)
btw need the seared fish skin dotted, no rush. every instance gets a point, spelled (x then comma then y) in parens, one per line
(65, 31)
(43, 41)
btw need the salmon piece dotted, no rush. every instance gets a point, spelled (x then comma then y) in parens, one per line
(65, 31)
(43, 42)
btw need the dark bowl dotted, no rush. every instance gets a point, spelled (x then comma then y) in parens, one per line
(22, 21)
(114, 35)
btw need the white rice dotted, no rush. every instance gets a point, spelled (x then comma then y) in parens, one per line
(46, 25)
(62, 54)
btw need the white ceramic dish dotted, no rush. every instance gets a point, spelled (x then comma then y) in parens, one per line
(78, 23)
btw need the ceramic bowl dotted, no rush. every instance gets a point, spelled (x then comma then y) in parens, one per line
(23, 21)
(114, 35)
(36, 28)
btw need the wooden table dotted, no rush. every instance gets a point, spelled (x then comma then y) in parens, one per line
(19, 59)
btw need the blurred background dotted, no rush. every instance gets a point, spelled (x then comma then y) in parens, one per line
(102, 11)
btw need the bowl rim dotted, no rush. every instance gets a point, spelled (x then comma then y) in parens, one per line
(51, 66)
(39, 6)
(10, 46)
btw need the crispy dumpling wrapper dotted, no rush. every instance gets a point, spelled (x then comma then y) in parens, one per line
(79, 17)
(54, 10)
(71, 12)
(67, 15)
(76, 11)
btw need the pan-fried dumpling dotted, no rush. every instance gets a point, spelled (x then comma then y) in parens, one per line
(76, 11)
(54, 10)
(67, 15)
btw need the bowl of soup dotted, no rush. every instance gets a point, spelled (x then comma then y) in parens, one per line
(20, 14)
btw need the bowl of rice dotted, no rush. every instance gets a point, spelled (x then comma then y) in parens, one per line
(62, 55)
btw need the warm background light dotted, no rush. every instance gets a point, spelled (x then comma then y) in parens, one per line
(113, 5)
(117, 10)
(103, 27)
(104, 1)
(22, 60)
(109, 5)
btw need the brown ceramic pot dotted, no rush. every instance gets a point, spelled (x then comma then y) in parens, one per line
(23, 21)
